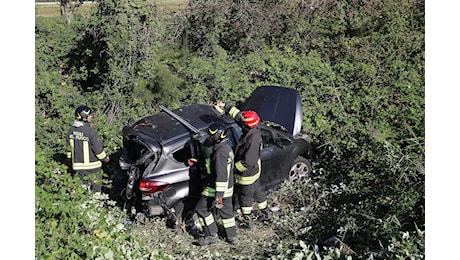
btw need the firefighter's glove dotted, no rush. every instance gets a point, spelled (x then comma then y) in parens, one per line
(220, 107)
(107, 159)
(219, 203)
(192, 161)
(219, 110)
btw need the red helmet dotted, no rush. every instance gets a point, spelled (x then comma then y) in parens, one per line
(250, 118)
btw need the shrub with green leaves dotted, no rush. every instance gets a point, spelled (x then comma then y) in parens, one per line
(358, 65)
(71, 222)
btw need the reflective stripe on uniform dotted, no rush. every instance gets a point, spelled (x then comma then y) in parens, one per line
(240, 167)
(208, 165)
(233, 112)
(71, 148)
(231, 157)
(218, 108)
(221, 186)
(87, 166)
(228, 222)
(228, 192)
(210, 192)
(85, 152)
(209, 219)
(246, 180)
(246, 210)
(101, 156)
(262, 205)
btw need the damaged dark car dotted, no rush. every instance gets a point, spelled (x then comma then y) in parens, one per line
(156, 150)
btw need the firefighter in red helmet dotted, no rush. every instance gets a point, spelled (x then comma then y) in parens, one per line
(85, 149)
(248, 164)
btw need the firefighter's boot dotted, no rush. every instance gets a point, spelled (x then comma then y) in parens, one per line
(246, 222)
(265, 215)
(208, 238)
(232, 240)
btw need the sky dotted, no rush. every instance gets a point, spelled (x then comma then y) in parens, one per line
(18, 128)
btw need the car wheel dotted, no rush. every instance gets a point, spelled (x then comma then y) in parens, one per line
(300, 168)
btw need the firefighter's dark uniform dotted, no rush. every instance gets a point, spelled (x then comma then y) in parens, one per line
(219, 184)
(85, 152)
(248, 169)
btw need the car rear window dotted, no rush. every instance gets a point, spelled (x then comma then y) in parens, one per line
(134, 151)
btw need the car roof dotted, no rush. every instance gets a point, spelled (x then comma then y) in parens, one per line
(166, 127)
(277, 104)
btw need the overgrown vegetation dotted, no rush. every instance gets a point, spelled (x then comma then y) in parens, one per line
(359, 66)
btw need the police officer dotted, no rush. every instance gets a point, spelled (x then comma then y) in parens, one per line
(85, 149)
(218, 190)
(247, 163)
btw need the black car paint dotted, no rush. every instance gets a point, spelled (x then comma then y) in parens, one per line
(277, 104)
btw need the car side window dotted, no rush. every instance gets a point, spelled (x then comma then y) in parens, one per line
(267, 138)
(234, 136)
(185, 153)
(282, 140)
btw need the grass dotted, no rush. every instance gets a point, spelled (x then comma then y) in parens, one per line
(178, 244)
(51, 9)
(173, 5)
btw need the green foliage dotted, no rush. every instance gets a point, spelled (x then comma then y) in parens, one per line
(211, 79)
(52, 89)
(359, 66)
(236, 26)
(68, 8)
(71, 223)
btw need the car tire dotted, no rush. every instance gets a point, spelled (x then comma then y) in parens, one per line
(300, 168)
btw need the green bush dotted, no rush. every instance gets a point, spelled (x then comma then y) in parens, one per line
(72, 222)
(359, 67)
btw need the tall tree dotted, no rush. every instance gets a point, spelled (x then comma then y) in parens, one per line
(68, 8)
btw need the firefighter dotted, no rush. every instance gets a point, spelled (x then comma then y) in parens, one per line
(248, 164)
(85, 149)
(218, 192)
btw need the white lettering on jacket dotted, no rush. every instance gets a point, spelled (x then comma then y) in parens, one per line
(79, 136)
